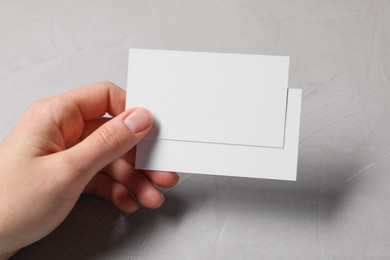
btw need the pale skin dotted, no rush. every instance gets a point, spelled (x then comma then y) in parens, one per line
(63, 147)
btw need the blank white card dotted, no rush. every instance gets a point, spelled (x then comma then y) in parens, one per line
(216, 113)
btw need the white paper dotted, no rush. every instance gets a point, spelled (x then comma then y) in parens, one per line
(211, 97)
(228, 160)
(207, 123)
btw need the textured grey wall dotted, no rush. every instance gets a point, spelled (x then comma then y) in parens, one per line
(340, 56)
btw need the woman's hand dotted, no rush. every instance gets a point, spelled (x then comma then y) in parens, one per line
(62, 147)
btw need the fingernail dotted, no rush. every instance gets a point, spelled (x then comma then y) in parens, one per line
(138, 120)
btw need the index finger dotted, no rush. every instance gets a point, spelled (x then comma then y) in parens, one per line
(96, 99)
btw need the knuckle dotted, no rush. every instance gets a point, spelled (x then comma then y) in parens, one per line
(42, 105)
(34, 111)
(38, 105)
(110, 137)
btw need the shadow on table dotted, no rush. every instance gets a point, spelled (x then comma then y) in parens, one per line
(95, 229)
(96, 222)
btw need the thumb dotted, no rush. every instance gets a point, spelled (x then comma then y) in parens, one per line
(110, 141)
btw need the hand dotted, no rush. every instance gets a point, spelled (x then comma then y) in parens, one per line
(63, 147)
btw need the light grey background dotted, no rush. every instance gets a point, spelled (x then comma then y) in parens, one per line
(340, 56)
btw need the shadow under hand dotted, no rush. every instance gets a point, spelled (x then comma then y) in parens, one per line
(201, 210)
(96, 229)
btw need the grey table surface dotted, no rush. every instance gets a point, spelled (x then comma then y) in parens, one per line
(340, 56)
